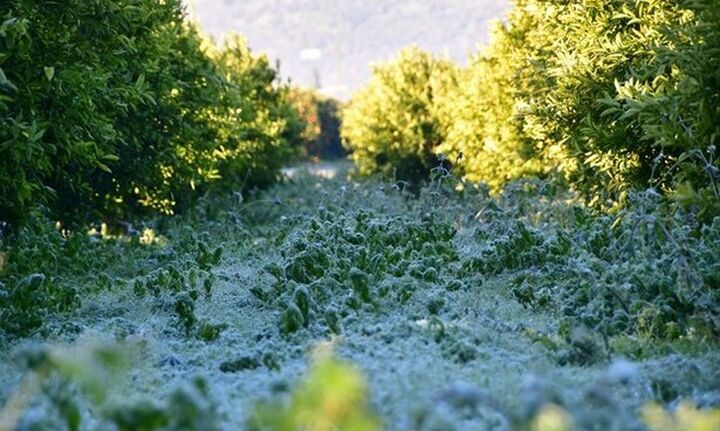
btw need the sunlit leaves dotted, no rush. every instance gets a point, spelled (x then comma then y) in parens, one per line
(394, 125)
(603, 95)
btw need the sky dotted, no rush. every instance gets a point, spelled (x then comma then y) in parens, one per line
(330, 44)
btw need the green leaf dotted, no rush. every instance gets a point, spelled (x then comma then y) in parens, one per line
(49, 73)
(5, 83)
(140, 81)
(104, 167)
(111, 157)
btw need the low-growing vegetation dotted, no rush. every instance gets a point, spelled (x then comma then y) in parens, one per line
(598, 315)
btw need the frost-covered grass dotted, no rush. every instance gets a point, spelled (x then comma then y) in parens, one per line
(461, 311)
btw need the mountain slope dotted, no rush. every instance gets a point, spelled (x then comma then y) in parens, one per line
(350, 34)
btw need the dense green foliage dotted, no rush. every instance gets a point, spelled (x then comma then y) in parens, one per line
(609, 95)
(394, 125)
(628, 96)
(109, 109)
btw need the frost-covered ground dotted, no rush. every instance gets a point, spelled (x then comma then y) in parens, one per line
(393, 283)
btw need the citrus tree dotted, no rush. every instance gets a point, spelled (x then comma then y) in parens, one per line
(394, 125)
(109, 109)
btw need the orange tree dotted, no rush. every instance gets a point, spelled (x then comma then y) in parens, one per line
(109, 109)
(394, 125)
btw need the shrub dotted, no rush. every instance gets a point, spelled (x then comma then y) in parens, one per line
(633, 90)
(258, 122)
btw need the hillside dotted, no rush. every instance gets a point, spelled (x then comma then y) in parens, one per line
(350, 34)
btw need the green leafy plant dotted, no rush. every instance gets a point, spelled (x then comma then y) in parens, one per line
(75, 380)
(340, 262)
(331, 397)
